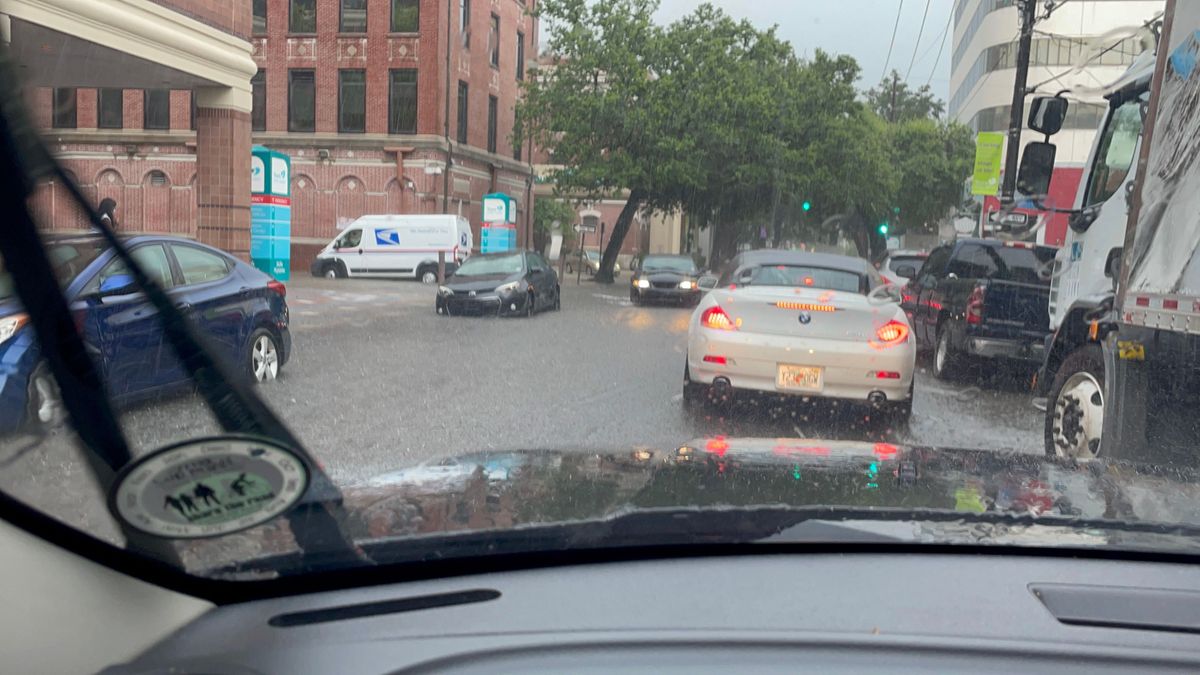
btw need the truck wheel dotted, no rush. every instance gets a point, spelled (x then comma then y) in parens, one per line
(1075, 407)
(947, 363)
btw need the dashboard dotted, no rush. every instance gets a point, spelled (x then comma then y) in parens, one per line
(776, 612)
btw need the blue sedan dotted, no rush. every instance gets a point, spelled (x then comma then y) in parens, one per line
(241, 311)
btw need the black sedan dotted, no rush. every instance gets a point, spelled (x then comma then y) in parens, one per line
(671, 278)
(500, 284)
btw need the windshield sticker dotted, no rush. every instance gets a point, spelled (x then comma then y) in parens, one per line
(209, 487)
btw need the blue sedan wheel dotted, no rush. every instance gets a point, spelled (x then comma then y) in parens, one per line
(264, 356)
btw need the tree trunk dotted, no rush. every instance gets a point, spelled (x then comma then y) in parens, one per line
(620, 229)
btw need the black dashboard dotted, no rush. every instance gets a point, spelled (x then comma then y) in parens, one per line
(853, 612)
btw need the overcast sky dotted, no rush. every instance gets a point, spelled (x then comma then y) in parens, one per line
(860, 28)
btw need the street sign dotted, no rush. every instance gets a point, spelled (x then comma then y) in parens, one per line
(580, 227)
(989, 159)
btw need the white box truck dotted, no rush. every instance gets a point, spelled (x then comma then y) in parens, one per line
(1123, 376)
(396, 246)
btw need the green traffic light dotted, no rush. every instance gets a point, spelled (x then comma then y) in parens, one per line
(806, 206)
(883, 228)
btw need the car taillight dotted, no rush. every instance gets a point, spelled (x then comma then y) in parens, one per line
(278, 287)
(975, 306)
(890, 334)
(716, 318)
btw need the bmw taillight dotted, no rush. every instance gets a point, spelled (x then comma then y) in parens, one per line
(278, 287)
(717, 319)
(975, 305)
(890, 334)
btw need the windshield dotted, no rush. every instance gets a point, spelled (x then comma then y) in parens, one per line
(396, 276)
(669, 264)
(802, 277)
(480, 266)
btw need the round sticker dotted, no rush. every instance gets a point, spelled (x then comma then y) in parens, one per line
(208, 487)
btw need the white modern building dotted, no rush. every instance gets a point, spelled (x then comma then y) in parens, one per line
(984, 59)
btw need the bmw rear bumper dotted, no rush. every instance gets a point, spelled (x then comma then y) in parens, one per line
(849, 371)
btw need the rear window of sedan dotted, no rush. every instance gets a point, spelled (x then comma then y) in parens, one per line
(803, 276)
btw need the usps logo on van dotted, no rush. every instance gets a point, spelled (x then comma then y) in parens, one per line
(387, 237)
(462, 240)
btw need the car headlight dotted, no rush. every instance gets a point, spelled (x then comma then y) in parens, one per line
(643, 283)
(443, 291)
(687, 285)
(509, 287)
(9, 325)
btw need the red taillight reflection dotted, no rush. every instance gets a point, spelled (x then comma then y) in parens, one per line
(278, 287)
(717, 319)
(885, 450)
(717, 446)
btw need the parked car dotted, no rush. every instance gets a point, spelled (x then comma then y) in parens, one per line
(240, 310)
(396, 246)
(497, 284)
(808, 325)
(670, 278)
(981, 299)
(899, 267)
(589, 260)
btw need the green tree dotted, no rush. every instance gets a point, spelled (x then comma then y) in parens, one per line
(894, 101)
(546, 212)
(931, 159)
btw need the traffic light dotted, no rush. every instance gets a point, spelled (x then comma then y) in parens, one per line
(806, 205)
(883, 229)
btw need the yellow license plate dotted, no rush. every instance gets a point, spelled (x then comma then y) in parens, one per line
(806, 378)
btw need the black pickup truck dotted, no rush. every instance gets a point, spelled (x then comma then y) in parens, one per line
(981, 299)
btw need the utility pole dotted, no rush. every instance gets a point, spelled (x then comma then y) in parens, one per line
(446, 121)
(1027, 11)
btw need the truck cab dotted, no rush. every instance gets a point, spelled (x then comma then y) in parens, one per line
(1082, 285)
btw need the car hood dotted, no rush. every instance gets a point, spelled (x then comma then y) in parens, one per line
(487, 282)
(718, 490)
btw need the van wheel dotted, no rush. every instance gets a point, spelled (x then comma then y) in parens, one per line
(427, 275)
(333, 270)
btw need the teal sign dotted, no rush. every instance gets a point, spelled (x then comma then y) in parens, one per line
(271, 212)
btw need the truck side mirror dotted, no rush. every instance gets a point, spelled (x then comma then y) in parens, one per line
(1037, 167)
(1047, 113)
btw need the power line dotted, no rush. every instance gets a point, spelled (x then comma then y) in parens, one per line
(920, 32)
(945, 32)
(896, 27)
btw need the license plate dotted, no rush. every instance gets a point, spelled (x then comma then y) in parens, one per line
(806, 378)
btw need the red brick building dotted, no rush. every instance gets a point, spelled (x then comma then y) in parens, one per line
(355, 91)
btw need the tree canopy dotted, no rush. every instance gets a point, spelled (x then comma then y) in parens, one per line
(719, 118)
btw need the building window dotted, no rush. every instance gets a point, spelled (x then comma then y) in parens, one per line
(493, 107)
(352, 100)
(406, 16)
(110, 109)
(464, 22)
(65, 109)
(354, 16)
(520, 55)
(303, 16)
(302, 100)
(258, 113)
(156, 109)
(494, 41)
(462, 111)
(402, 102)
(259, 27)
